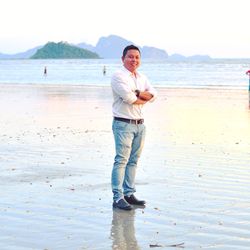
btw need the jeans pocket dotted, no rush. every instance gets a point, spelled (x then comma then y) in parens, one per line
(119, 125)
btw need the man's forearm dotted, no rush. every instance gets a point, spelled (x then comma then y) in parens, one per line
(145, 95)
(139, 101)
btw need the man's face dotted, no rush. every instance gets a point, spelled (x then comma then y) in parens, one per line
(132, 60)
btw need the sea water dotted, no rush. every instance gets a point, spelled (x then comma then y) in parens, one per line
(215, 73)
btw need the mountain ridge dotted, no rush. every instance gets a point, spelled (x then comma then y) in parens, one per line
(111, 47)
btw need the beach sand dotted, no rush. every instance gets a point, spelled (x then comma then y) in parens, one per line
(56, 158)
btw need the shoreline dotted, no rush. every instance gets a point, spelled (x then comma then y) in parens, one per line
(218, 87)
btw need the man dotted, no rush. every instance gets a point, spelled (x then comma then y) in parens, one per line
(131, 90)
(248, 73)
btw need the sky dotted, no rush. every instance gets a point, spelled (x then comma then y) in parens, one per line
(218, 28)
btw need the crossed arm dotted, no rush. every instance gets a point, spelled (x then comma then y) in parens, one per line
(143, 97)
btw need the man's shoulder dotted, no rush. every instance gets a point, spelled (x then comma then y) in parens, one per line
(120, 74)
(142, 75)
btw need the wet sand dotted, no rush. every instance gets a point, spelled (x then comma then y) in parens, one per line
(56, 157)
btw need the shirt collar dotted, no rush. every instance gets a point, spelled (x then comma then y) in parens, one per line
(130, 73)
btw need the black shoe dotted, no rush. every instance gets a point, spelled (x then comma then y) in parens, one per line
(133, 201)
(122, 204)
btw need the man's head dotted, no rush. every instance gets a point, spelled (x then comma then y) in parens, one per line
(131, 58)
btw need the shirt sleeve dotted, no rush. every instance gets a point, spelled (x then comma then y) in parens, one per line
(151, 90)
(121, 88)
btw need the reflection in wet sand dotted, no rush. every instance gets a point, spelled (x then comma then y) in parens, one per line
(123, 230)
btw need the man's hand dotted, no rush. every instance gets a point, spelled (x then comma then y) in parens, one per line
(145, 95)
(142, 97)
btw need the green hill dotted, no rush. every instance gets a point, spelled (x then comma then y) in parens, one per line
(62, 50)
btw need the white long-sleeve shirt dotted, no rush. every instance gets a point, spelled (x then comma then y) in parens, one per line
(124, 84)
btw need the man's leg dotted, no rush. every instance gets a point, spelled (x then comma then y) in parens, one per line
(130, 171)
(123, 144)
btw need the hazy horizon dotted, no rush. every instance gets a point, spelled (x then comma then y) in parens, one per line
(126, 39)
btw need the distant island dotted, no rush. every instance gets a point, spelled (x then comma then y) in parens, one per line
(106, 47)
(63, 50)
(112, 46)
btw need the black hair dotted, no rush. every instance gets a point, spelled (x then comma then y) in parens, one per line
(129, 47)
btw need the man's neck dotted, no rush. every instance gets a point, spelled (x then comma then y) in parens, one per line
(134, 73)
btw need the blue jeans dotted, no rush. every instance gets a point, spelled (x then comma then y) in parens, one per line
(129, 141)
